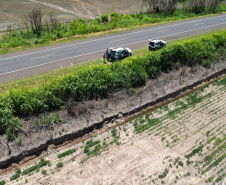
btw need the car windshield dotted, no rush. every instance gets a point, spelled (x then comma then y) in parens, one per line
(152, 43)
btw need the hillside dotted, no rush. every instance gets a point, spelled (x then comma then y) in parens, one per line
(12, 13)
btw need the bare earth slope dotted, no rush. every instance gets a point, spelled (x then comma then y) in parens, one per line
(12, 13)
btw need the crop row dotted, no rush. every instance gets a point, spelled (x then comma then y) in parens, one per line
(99, 81)
(209, 161)
(30, 170)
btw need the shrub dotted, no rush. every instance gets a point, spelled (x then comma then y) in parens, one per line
(206, 63)
(98, 20)
(104, 18)
(114, 17)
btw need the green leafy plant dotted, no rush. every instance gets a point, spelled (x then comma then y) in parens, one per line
(66, 153)
(194, 151)
(59, 165)
(41, 163)
(164, 174)
(16, 175)
(142, 127)
(90, 144)
(44, 172)
(18, 141)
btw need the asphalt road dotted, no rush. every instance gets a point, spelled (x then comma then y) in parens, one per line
(34, 61)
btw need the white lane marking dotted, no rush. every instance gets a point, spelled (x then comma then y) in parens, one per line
(173, 34)
(162, 31)
(198, 24)
(104, 50)
(42, 57)
(116, 40)
(51, 62)
(114, 36)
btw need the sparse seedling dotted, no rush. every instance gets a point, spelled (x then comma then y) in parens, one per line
(44, 172)
(18, 142)
(59, 165)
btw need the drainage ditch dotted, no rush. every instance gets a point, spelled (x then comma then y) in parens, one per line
(75, 137)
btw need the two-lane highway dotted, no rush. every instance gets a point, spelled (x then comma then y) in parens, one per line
(20, 62)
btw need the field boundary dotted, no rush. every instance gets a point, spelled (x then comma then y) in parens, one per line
(83, 134)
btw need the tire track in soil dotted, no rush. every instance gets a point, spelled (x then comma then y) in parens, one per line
(54, 7)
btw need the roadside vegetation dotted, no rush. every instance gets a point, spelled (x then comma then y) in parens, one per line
(37, 32)
(98, 81)
(37, 80)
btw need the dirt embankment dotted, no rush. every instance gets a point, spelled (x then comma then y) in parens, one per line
(85, 117)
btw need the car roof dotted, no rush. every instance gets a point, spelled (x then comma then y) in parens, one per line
(117, 49)
(150, 40)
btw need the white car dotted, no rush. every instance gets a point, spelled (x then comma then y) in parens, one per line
(156, 44)
(113, 54)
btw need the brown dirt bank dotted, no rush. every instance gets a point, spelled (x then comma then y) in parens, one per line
(102, 113)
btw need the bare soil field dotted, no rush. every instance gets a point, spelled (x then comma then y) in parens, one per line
(12, 13)
(182, 142)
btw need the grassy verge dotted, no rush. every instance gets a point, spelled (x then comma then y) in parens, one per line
(43, 78)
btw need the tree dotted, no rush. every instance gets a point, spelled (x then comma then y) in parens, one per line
(155, 6)
(197, 6)
(104, 18)
(34, 18)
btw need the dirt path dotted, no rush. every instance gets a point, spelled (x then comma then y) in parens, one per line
(82, 7)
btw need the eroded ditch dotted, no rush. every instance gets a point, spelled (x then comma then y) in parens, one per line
(66, 140)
